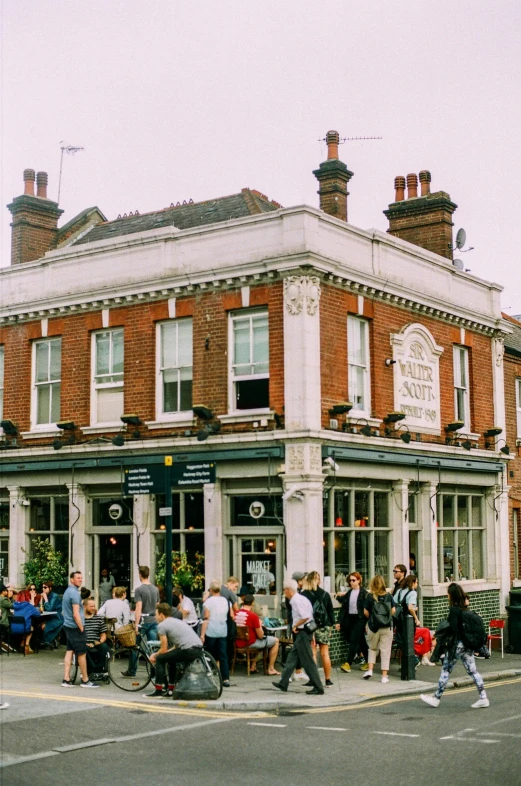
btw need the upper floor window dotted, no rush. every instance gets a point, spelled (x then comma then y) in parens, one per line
(1, 383)
(359, 388)
(518, 406)
(174, 367)
(107, 395)
(461, 386)
(47, 381)
(249, 378)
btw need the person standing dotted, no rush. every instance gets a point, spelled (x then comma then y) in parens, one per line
(301, 652)
(399, 573)
(457, 648)
(106, 585)
(146, 597)
(179, 644)
(214, 630)
(351, 621)
(186, 605)
(379, 610)
(325, 619)
(73, 625)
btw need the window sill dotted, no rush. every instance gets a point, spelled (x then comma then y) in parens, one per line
(183, 420)
(470, 585)
(354, 418)
(463, 433)
(44, 433)
(247, 416)
(109, 428)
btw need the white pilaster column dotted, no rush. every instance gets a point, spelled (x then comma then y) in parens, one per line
(213, 533)
(301, 353)
(498, 383)
(303, 482)
(144, 510)
(79, 552)
(18, 525)
(427, 511)
(400, 523)
(503, 545)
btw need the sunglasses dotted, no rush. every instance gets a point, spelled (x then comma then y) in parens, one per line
(397, 571)
(352, 580)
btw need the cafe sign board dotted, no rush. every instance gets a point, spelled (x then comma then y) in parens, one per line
(154, 478)
(417, 378)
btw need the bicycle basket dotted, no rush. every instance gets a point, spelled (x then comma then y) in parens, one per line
(126, 635)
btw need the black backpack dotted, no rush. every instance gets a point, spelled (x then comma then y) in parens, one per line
(320, 614)
(401, 610)
(473, 630)
(381, 614)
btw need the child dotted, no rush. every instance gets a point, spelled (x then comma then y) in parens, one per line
(118, 608)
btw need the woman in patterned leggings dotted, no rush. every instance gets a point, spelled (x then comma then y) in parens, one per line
(457, 649)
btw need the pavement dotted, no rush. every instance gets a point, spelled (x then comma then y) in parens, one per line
(40, 675)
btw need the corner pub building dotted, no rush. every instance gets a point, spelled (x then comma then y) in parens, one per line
(324, 391)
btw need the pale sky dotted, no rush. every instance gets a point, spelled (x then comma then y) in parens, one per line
(175, 100)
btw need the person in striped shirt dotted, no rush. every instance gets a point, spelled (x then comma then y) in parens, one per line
(96, 632)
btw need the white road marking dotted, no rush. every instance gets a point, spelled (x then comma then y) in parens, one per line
(395, 734)
(89, 744)
(327, 728)
(8, 761)
(499, 734)
(468, 739)
(273, 725)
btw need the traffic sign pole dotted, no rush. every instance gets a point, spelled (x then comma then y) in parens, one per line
(169, 537)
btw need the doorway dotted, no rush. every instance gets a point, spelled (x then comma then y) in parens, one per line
(256, 559)
(114, 554)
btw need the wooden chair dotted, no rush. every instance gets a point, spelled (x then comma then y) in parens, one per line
(246, 655)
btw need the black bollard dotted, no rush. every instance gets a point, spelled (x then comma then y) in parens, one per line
(408, 657)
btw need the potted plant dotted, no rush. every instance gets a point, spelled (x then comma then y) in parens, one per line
(189, 575)
(46, 564)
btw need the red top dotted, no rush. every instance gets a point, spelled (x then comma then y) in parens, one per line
(247, 619)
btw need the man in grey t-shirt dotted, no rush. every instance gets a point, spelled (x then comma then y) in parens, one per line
(179, 644)
(146, 597)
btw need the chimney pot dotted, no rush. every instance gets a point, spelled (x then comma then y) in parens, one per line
(412, 185)
(41, 184)
(399, 187)
(332, 140)
(425, 181)
(29, 178)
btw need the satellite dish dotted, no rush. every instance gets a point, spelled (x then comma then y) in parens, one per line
(461, 238)
(458, 263)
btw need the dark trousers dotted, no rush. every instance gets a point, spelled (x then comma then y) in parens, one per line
(97, 658)
(218, 648)
(301, 655)
(171, 659)
(352, 629)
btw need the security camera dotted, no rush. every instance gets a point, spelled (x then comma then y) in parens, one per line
(330, 463)
(257, 510)
(25, 502)
(293, 491)
(115, 512)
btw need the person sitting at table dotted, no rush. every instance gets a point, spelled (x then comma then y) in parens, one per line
(29, 595)
(6, 605)
(256, 638)
(25, 630)
(117, 608)
(51, 602)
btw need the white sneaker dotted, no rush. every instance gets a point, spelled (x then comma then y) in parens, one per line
(367, 675)
(480, 703)
(4, 705)
(432, 701)
(300, 676)
(385, 680)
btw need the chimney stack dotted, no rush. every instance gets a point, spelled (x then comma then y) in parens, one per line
(35, 220)
(333, 177)
(424, 220)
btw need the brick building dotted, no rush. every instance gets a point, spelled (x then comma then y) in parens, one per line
(512, 441)
(333, 386)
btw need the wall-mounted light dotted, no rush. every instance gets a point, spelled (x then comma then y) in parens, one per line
(505, 449)
(455, 426)
(394, 417)
(202, 412)
(467, 445)
(367, 431)
(495, 431)
(118, 440)
(10, 429)
(341, 409)
(58, 444)
(66, 425)
(278, 420)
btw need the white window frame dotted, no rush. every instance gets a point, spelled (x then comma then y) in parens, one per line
(518, 407)
(235, 317)
(179, 414)
(95, 385)
(2, 374)
(461, 384)
(35, 426)
(364, 411)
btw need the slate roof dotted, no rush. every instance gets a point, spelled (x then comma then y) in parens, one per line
(513, 340)
(185, 216)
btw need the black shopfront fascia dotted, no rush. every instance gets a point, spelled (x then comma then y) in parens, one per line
(411, 459)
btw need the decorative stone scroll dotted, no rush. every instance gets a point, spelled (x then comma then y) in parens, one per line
(300, 291)
(417, 378)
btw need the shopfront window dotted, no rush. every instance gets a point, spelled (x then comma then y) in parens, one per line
(356, 534)
(187, 524)
(252, 511)
(49, 520)
(460, 536)
(113, 512)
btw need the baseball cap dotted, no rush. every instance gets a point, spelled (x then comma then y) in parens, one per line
(2, 587)
(298, 575)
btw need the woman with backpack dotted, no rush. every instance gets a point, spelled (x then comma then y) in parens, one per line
(458, 647)
(379, 609)
(407, 601)
(351, 621)
(324, 617)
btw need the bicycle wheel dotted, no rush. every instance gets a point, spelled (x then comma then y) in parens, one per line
(119, 663)
(213, 670)
(74, 668)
